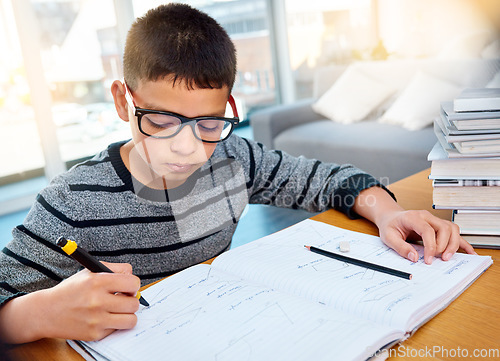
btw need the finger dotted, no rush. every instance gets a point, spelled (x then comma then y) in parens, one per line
(399, 244)
(119, 283)
(444, 235)
(455, 240)
(466, 246)
(108, 323)
(452, 247)
(105, 333)
(443, 230)
(428, 235)
(125, 268)
(122, 303)
(118, 322)
(122, 321)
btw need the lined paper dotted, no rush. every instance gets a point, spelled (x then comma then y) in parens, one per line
(206, 314)
(273, 299)
(281, 261)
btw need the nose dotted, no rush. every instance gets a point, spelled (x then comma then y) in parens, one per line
(185, 142)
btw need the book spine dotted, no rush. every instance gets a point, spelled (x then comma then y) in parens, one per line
(476, 105)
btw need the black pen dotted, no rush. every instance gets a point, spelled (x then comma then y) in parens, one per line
(86, 260)
(360, 263)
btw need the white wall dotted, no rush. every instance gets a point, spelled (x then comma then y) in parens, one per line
(422, 28)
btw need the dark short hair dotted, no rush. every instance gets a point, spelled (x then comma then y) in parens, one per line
(182, 43)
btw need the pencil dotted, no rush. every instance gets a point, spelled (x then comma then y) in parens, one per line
(360, 263)
(86, 260)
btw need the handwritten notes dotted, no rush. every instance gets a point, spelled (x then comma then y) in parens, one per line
(272, 299)
(280, 261)
(203, 313)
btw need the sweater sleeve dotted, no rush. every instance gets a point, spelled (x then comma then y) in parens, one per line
(5, 299)
(279, 179)
(31, 260)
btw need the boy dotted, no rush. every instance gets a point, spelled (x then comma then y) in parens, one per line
(172, 195)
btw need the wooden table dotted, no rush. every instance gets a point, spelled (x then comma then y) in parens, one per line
(470, 324)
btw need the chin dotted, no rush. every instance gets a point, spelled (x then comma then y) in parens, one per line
(176, 177)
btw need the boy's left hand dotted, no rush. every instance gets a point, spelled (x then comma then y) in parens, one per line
(396, 225)
(439, 237)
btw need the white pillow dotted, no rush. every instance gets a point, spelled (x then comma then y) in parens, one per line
(466, 46)
(352, 97)
(492, 51)
(419, 103)
(494, 82)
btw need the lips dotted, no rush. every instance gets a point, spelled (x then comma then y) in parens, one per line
(179, 167)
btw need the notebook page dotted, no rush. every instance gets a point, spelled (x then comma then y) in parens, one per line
(281, 261)
(86, 353)
(206, 314)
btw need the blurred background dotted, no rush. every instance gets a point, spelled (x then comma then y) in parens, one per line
(59, 58)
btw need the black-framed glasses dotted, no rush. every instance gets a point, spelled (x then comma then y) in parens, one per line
(163, 124)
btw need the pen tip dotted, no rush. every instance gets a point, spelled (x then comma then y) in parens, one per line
(141, 299)
(308, 247)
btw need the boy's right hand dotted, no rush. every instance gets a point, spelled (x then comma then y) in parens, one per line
(86, 306)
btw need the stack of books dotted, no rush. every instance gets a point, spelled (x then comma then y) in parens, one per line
(466, 164)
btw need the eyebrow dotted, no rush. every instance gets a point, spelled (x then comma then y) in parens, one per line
(154, 107)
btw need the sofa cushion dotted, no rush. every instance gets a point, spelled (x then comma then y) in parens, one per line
(495, 82)
(466, 46)
(491, 51)
(397, 152)
(379, 149)
(352, 97)
(419, 103)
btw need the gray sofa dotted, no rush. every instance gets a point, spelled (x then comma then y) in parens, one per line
(389, 152)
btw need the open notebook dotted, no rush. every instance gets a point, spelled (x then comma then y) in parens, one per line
(271, 299)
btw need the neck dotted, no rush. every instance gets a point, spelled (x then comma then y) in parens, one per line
(141, 170)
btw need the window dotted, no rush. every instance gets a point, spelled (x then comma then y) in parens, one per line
(322, 33)
(55, 102)
(81, 56)
(19, 138)
(339, 32)
(63, 112)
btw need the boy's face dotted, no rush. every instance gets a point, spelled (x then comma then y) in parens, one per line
(168, 162)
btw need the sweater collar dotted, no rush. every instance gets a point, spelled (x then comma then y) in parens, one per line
(143, 191)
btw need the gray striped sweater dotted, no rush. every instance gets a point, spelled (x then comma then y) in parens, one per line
(100, 205)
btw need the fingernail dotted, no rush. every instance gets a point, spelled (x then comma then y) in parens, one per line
(412, 257)
(429, 259)
(446, 256)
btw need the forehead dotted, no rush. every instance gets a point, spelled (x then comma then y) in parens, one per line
(176, 97)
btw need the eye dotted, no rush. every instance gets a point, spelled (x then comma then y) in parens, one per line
(160, 121)
(210, 125)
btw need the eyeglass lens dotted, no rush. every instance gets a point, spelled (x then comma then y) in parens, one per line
(164, 126)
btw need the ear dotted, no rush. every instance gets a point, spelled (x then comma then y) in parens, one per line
(118, 91)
